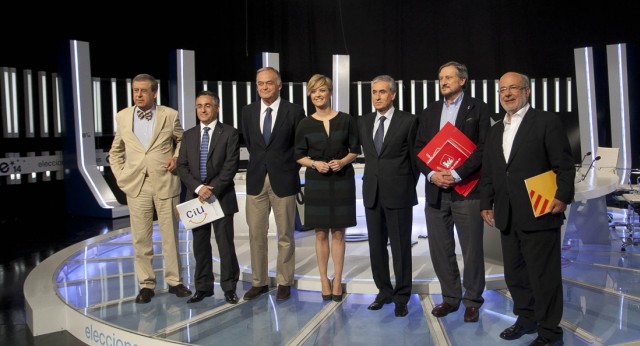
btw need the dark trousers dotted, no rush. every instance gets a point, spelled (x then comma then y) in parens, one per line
(395, 226)
(229, 268)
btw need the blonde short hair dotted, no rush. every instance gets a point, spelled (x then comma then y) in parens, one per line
(317, 81)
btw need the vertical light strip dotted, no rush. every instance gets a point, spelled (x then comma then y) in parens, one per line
(220, 113)
(129, 93)
(569, 95)
(249, 98)
(545, 95)
(234, 98)
(114, 102)
(57, 107)
(485, 91)
(472, 87)
(436, 90)
(425, 102)
(623, 101)
(205, 86)
(6, 98)
(97, 106)
(44, 101)
(304, 98)
(29, 112)
(14, 101)
(497, 95)
(413, 97)
(401, 95)
(291, 92)
(159, 95)
(359, 93)
(533, 93)
(556, 83)
(590, 103)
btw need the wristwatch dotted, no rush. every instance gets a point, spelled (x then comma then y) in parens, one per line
(313, 165)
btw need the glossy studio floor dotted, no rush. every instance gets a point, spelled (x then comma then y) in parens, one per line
(90, 287)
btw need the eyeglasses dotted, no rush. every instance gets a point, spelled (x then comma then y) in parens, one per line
(511, 89)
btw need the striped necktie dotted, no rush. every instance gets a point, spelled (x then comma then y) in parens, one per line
(204, 150)
(379, 136)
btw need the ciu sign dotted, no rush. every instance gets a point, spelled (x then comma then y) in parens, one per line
(194, 213)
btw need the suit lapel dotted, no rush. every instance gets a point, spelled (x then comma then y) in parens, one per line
(128, 131)
(215, 134)
(161, 118)
(463, 111)
(283, 110)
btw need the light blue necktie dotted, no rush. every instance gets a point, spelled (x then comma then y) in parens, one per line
(266, 126)
(204, 150)
(379, 136)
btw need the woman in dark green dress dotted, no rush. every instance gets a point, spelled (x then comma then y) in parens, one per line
(327, 143)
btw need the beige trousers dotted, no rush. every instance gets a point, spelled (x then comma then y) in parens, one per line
(284, 211)
(141, 214)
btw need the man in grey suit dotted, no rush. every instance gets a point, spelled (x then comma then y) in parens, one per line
(222, 146)
(273, 180)
(445, 207)
(389, 192)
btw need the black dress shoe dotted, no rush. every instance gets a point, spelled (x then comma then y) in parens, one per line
(179, 290)
(516, 331)
(231, 297)
(542, 341)
(145, 296)
(471, 314)
(200, 295)
(401, 310)
(443, 309)
(379, 303)
(254, 292)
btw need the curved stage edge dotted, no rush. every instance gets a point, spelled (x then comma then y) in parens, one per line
(89, 288)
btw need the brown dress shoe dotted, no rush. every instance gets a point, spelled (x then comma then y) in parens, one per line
(284, 292)
(471, 314)
(254, 292)
(443, 309)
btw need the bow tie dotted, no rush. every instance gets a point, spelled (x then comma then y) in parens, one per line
(144, 115)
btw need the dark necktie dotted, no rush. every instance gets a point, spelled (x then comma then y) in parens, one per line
(266, 126)
(379, 136)
(144, 114)
(204, 150)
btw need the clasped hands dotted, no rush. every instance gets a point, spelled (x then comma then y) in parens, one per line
(205, 193)
(443, 178)
(333, 165)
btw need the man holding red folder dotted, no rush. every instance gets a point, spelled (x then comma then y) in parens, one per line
(448, 205)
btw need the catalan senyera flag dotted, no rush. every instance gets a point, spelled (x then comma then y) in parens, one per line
(542, 189)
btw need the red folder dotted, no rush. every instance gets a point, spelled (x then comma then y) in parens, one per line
(448, 149)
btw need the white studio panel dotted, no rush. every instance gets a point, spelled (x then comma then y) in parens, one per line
(545, 98)
(304, 97)
(400, 95)
(97, 108)
(619, 106)
(424, 94)
(556, 83)
(83, 126)
(44, 101)
(271, 60)
(9, 100)
(472, 88)
(413, 97)
(234, 88)
(220, 113)
(496, 84)
(57, 107)
(113, 83)
(341, 79)
(586, 93)
(29, 116)
(186, 87)
(533, 92)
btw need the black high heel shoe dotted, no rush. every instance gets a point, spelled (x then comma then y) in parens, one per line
(336, 298)
(328, 296)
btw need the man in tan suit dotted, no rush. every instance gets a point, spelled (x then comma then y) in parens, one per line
(142, 158)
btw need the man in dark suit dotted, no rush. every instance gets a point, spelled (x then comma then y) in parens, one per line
(526, 143)
(445, 207)
(389, 192)
(222, 147)
(273, 180)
